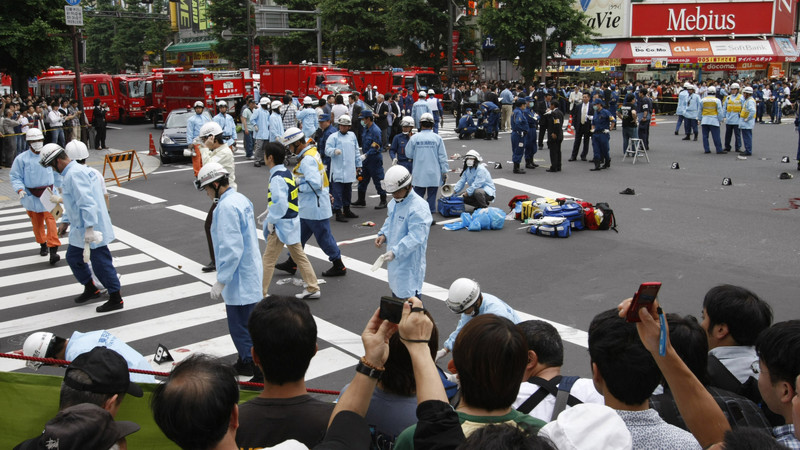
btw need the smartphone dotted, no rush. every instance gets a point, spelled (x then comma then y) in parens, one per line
(391, 309)
(644, 297)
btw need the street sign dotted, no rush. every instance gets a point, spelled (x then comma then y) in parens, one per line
(74, 15)
(73, 2)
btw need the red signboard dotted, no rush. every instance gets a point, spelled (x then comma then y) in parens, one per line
(784, 16)
(701, 19)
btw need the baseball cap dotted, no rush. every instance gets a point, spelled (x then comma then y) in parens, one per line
(324, 117)
(108, 371)
(365, 113)
(588, 425)
(81, 427)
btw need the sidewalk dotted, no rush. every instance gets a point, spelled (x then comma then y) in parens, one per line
(9, 198)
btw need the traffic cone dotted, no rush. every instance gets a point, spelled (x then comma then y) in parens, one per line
(653, 120)
(570, 129)
(153, 151)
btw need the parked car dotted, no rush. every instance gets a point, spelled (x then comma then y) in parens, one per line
(173, 136)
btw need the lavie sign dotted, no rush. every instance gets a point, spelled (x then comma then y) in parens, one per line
(701, 19)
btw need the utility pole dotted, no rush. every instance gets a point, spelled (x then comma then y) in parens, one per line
(544, 60)
(76, 35)
(450, 12)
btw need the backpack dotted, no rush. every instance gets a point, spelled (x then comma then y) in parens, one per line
(558, 387)
(515, 205)
(609, 221)
(591, 216)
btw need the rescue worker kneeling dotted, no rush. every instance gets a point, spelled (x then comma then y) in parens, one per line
(466, 126)
(477, 180)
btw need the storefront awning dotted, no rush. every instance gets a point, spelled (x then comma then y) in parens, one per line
(197, 46)
(728, 51)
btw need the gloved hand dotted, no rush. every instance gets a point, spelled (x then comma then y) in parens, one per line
(55, 198)
(188, 153)
(261, 217)
(444, 179)
(271, 228)
(337, 152)
(216, 291)
(394, 162)
(388, 256)
(91, 236)
(255, 127)
(441, 354)
(363, 157)
(22, 194)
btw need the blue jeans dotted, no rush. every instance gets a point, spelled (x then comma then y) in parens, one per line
(238, 317)
(733, 130)
(627, 134)
(431, 191)
(747, 138)
(690, 126)
(342, 194)
(680, 121)
(57, 136)
(715, 135)
(321, 229)
(249, 141)
(22, 144)
(101, 264)
(517, 146)
(600, 143)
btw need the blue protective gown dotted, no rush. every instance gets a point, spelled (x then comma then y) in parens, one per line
(747, 118)
(288, 230)
(490, 305)
(275, 128)
(80, 343)
(733, 107)
(343, 167)
(236, 250)
(193, 126)
(260, 119)
(310, 121)
(683, 98)
(419, 108)
(314, 201)
(225, 121)
(712, 112)
(26, 172)
(85, 205)
(426, 150)
(407, 227)
(475, 178)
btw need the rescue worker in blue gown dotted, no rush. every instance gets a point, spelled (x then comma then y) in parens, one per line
(519, 132)
(397, 151)
(492, 114)
(601, 122)
(342, 149)
(420, 107)
(734, 102)
(314, 202)
(405, 233)
(712, 114)
(531, 147)
(427, 151)
(195, 122)
(85, 210)
(239, 270)
(475, 182)
(260, 120)
(308, 117)
(466, 126)
(680, 110)
(371, 160)
(225, 121)
(747, 120)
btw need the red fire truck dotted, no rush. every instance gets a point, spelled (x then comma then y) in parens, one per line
(154, 93)
(315, 80)
(416, 79)
(131, 91)
(59, 82)
(182, 89)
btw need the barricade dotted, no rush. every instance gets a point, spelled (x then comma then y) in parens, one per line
(114, 158)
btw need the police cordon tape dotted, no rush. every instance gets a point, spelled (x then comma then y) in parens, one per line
(61, 362)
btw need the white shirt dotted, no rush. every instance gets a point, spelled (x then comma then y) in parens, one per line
(583, 390)
(338, 111)
(55, 118)
(23, 121)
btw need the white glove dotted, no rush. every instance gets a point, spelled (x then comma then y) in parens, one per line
(394, 162)
(589, 117)
(388, 256)
(255, 127)
(188, 153)
(441, 354)
(261, 217)
(271, 228)
(216, 291)
(92, 236)
(337, 152)
(22, 194)
(363, 157)
(55, 198)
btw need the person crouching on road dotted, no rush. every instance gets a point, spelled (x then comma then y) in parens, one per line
(466, 125)
(29, 180)
(85, 210)
(236, 251)
(214, 149)
(405, 233)
(314, 202)
(477, 180)
(282, 226)
(342, 148)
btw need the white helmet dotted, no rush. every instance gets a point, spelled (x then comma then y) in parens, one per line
(427, 117)
(49, 153)
(474, 154)
(36, 346)
(307, 100)
(210, 128)
(463, 294)
(222, 103)
(345, 120)
(747, 90)
(734, 86)
(76, 150)
(407, 121)
(692, 87)
(199, 104)
(712, 90)
(430, 92)
(687, 85)
(423, 94)
(396, 178)
(264, 101)
(208, 173)
(276, 104)
(292, 135)
(34, 134)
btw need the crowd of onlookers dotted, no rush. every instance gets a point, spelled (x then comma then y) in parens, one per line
(729, 380)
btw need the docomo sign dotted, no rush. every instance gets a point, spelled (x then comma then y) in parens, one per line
(701, 19)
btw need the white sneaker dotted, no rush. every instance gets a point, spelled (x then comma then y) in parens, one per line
(305, 295)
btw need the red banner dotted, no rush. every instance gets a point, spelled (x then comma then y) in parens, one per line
(455, 44)
(256, 56)
(784, 16)
(681, 19)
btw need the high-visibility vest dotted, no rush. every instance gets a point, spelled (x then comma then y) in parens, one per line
(293, 209)
(321, 167)
(734, 103)
(710, 106)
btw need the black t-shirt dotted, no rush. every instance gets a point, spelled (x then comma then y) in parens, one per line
(268, 422)
(628, 115)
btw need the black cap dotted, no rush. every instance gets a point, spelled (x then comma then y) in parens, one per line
(108, 371)
(81, 427)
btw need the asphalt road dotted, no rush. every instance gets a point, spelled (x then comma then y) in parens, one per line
(682, 228)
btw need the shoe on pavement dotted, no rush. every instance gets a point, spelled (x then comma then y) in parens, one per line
(210, 267)
(551, 170)
(306, 295)
(43, 250)
(287, 266)
(628, 191)
(572, 159)
(110, 306)
(244, 369)
(89, 292)
(688, 137)
(338, 269)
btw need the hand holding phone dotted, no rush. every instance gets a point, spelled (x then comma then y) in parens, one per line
(391, 309)
(643, 298)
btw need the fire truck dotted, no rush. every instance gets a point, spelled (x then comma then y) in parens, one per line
(315, 80)
(154, 93)
(131, 92)
(59, 82)
(182, 89)
(380, 79)
(415, 79)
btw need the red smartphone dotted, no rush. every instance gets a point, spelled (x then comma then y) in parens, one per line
(643, 298)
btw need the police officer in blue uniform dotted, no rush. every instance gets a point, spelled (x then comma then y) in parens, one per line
(519, 132)
(397, 151)
(492, 114)
(466, 125)
(530, 139)
(601, 136)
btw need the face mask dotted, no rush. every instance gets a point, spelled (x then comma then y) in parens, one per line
(36, 146)
(470, 162)
(362, 123)
(595, 107)
(265, 107)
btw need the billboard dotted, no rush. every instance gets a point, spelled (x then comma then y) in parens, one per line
(701, 19)
(607, 18)
(193, 15)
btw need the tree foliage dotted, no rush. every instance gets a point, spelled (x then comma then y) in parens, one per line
(360, 31)
(230, 15)
(27, 35)
(513, 26)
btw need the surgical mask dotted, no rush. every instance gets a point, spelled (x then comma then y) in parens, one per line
(470, 162)
(363, 123)
(36, 146)
(530, 104)
(595, 107)
(265, 107)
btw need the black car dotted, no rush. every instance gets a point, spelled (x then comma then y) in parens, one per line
(173, 137)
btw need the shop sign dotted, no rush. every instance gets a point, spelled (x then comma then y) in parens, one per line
(650, 50)
(692, 48)
(701, 19)
(751, 66)
(784, 17)
(716, 59)
(786, 47)
(592, 51)
(607, 18)
(600, 62)
(775, 71)
(636, 68)
(736, 47)
(717, 67)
